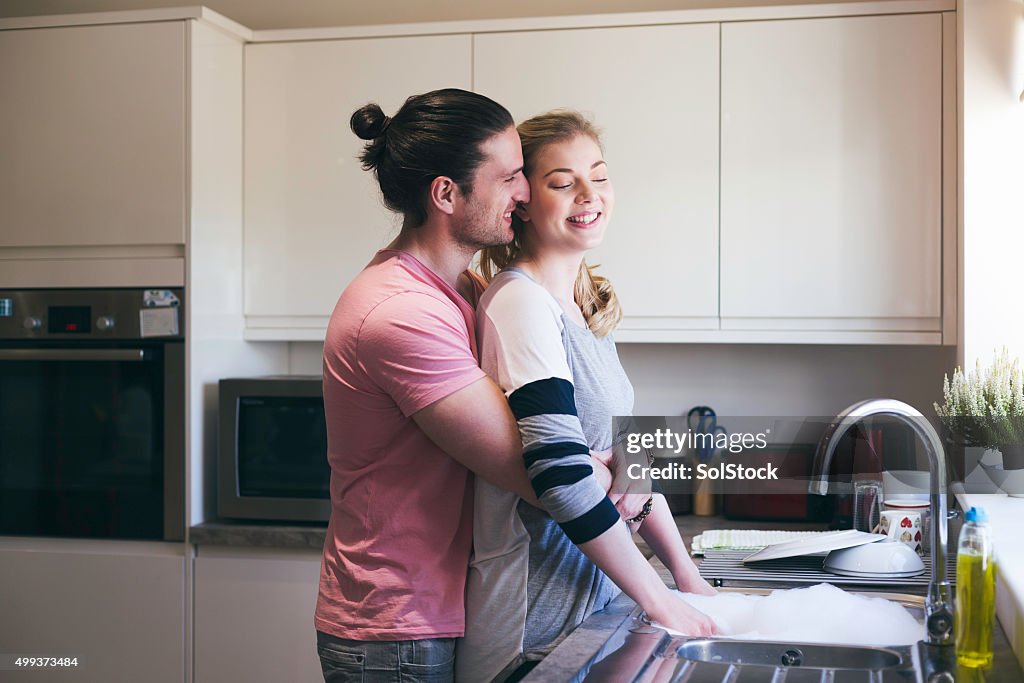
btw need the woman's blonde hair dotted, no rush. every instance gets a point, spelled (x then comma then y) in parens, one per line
(593, 293)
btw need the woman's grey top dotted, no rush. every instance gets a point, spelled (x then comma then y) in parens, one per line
(529, 585)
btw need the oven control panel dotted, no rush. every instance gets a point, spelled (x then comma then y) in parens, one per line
(91, 314)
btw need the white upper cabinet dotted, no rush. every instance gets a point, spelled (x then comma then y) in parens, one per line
(654, 92)
(313, 217)
(92, 135)
(788, 179)
(832, 162)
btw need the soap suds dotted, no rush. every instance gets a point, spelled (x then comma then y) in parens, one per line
(818, 614)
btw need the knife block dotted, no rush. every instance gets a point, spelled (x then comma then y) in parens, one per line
(705, 498)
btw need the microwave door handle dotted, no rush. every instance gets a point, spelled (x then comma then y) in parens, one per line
(129, 355)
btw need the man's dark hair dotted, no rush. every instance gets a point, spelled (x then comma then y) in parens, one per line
(435, 134)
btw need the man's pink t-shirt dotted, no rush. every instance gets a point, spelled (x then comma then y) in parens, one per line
(398, 542)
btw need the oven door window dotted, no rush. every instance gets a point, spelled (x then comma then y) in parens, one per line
(81, 443)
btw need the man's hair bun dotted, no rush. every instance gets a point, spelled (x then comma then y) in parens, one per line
(369, 122)
(439, 133)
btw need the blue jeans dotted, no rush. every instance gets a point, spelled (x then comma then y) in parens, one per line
(403, 661)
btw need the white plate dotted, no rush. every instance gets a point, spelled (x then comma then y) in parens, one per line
(904, 504)
(875, 575)
(821, 543)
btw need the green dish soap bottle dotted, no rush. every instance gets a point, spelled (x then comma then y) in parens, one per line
(975, 591)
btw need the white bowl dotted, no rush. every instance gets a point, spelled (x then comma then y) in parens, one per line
(885, 559)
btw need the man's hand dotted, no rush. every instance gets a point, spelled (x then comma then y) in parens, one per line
(604, 480)
(628, 495)
(601, 472)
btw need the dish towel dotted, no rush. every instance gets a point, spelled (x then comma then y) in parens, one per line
(744, 539)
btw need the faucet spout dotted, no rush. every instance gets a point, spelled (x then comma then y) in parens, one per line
(939, 604)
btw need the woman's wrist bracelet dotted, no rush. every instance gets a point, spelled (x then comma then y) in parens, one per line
(643, 513)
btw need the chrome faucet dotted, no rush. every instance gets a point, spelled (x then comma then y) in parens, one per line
(939, 604)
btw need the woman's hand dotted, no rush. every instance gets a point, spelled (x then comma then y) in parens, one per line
(677, 615)
(689, 580)
(695, 585)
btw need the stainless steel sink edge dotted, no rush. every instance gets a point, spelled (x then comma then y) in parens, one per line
(691, 659)
(686, 649)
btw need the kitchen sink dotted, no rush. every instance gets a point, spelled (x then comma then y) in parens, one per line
(640, 653)
(764, 653)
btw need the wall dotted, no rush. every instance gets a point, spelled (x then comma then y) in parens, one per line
(991, 46)
(215, 346)
(754, 380)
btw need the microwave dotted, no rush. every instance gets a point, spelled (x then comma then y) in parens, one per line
(272, 452)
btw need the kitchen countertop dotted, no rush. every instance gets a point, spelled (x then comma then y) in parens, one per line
(311, 535)
(1005, 516)
(568, 658)
(253, 534)
(259, 534)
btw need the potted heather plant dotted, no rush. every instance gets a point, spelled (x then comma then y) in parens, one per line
(985, 408)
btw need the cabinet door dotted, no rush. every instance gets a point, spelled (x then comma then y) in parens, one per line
(831, 174)
(92, 135)
(654, 92)
(119, 607)
(313, 217)
(254, 615)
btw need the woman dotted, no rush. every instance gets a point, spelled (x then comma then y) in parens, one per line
(543, 328)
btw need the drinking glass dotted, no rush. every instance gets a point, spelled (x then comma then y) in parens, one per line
(867, 505)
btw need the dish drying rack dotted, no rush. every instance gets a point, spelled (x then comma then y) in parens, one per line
(726, 568)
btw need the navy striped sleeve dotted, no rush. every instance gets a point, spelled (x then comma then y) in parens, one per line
(549, 396)
(557, 458)
(592, 524)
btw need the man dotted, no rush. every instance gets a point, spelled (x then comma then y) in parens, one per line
(410, 413)
(408, 408)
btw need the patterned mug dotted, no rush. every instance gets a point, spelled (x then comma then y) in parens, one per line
(903, 526)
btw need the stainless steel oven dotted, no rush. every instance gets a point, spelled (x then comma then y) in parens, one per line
(92, 413)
